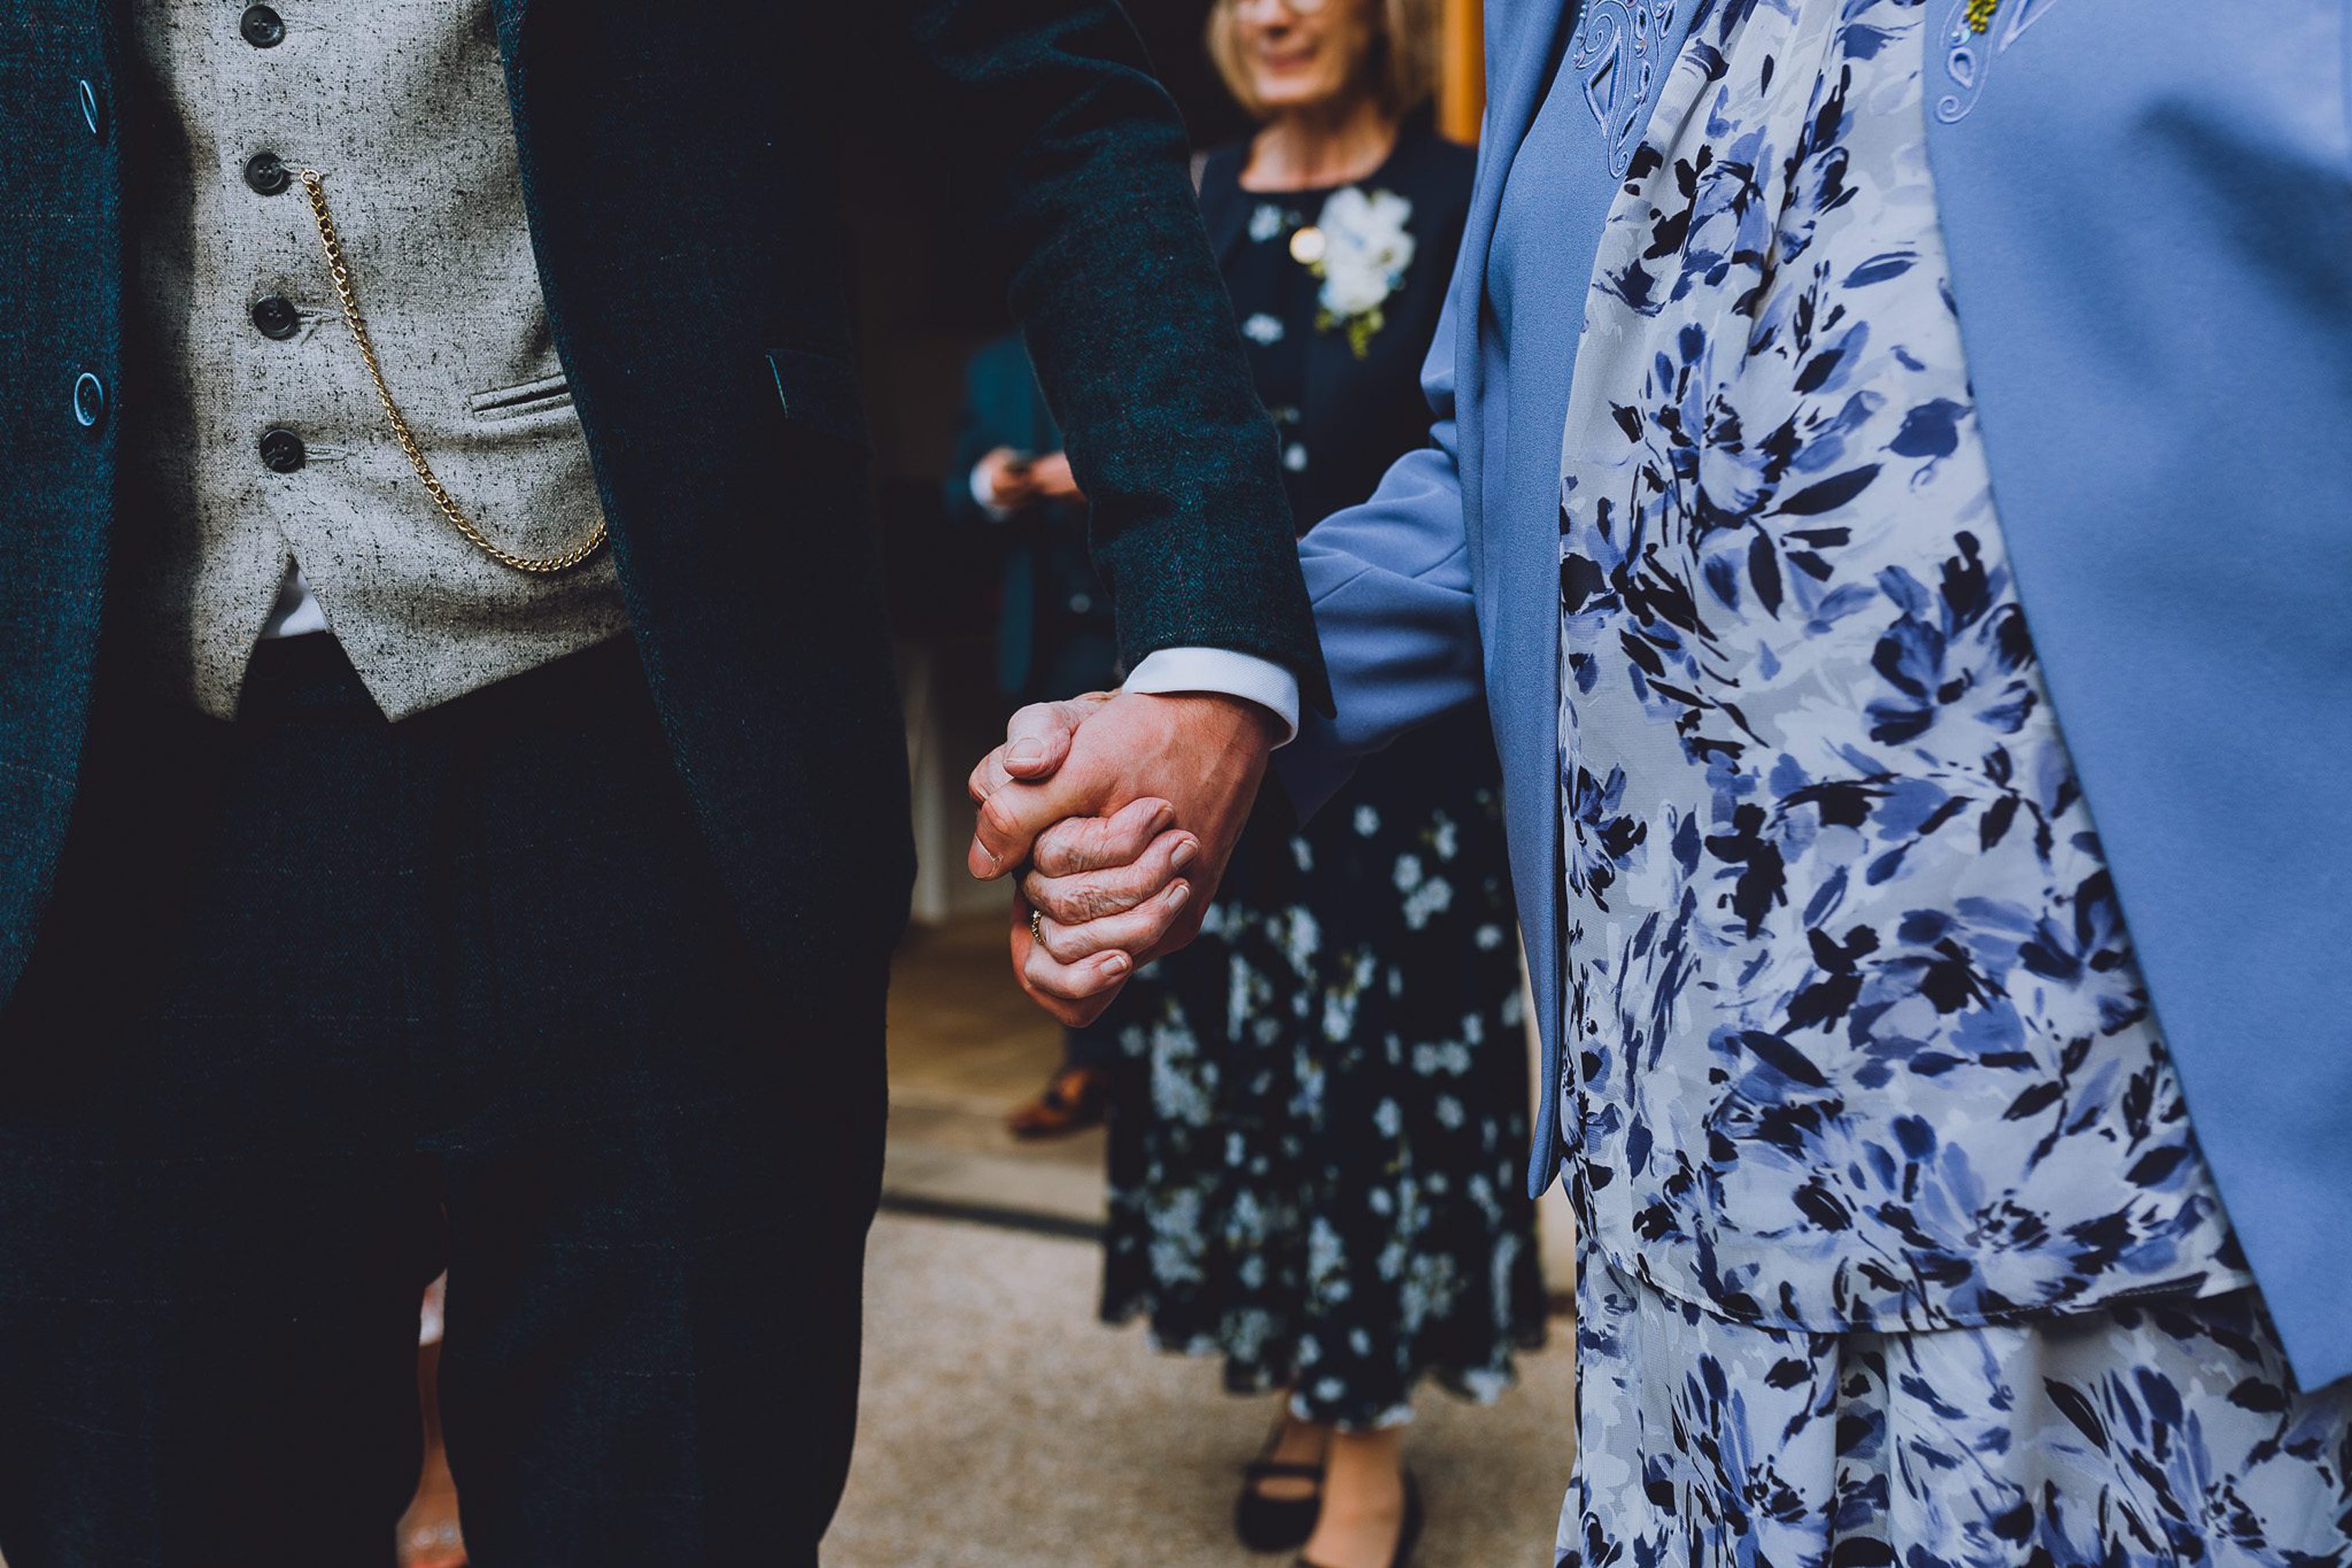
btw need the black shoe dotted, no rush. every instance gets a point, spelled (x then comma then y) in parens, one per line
(1408, 1533)
(1276, 1524)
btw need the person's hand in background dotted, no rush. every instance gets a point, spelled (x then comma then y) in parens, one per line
(1005, 480)
(1121, 811)
(1053, 480)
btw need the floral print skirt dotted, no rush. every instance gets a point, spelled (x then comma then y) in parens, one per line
(1321, 1110)
(2155, 1433)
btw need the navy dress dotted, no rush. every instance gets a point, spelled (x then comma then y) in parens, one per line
(1316, 1141)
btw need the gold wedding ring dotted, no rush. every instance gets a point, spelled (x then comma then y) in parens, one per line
(1037, 927)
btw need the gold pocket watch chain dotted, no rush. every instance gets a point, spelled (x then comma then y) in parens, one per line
(315, 188)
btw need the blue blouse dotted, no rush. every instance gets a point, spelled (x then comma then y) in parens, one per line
(1853, 1030)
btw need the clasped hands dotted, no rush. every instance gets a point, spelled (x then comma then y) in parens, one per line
(1118, 813)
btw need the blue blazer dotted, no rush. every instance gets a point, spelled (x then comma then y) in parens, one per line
(2148, 207)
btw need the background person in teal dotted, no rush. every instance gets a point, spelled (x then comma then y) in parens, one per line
(1055, 635)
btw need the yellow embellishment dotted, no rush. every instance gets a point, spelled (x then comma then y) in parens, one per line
(1980, 14)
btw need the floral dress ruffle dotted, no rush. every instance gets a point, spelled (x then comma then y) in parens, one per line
(2150, 1434)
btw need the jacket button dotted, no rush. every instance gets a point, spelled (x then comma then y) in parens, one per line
(274, 316)
(262, 28)
(93, 113)
(281, 451)
(88, 401)
(265, 174)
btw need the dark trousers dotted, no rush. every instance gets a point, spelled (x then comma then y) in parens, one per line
(324, 1004)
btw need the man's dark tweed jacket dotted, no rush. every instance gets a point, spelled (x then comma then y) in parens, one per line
(680, 180)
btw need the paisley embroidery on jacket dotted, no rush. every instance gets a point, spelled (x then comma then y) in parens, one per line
(1968, 53)
(1617, 54)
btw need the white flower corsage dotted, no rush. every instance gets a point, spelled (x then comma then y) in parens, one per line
(1361, 252)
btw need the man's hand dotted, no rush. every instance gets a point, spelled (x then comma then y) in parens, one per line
(1122, 811)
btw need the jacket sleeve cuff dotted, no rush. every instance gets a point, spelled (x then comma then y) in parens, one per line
(1224, 672)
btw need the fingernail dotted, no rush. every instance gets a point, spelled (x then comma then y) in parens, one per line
(1031, 751)
(1163, 818)
(1117, 964)
(1178, 894)
(1185, 853)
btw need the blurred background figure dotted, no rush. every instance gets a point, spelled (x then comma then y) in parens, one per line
(1055, 635)
(1322, 1105)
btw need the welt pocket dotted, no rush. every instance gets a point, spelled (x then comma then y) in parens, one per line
(524, 397)
(820, 391)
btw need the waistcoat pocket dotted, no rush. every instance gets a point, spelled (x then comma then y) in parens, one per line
(526, 397)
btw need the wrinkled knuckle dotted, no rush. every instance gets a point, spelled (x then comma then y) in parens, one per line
(1133, 884)
(1044, 976)
(997, 818)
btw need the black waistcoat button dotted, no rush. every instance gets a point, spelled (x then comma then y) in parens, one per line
(262, 28)
(281, 451)
(274, 316)
(265, 174)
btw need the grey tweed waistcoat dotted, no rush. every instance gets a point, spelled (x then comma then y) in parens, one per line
(402, 107)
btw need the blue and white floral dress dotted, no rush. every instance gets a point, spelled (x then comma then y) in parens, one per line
(1898, 1243)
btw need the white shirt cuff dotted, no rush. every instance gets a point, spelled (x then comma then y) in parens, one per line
(981, 493)
(1224, 672)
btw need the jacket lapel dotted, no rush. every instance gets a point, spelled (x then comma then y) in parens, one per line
(1527, 36)
(509, 16)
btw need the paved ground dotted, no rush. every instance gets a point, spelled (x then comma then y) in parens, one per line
(1003, 1428)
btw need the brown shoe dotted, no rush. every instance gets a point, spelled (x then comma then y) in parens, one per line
(1076, 1098)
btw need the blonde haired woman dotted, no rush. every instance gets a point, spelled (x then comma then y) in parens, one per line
(1316, 1132)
